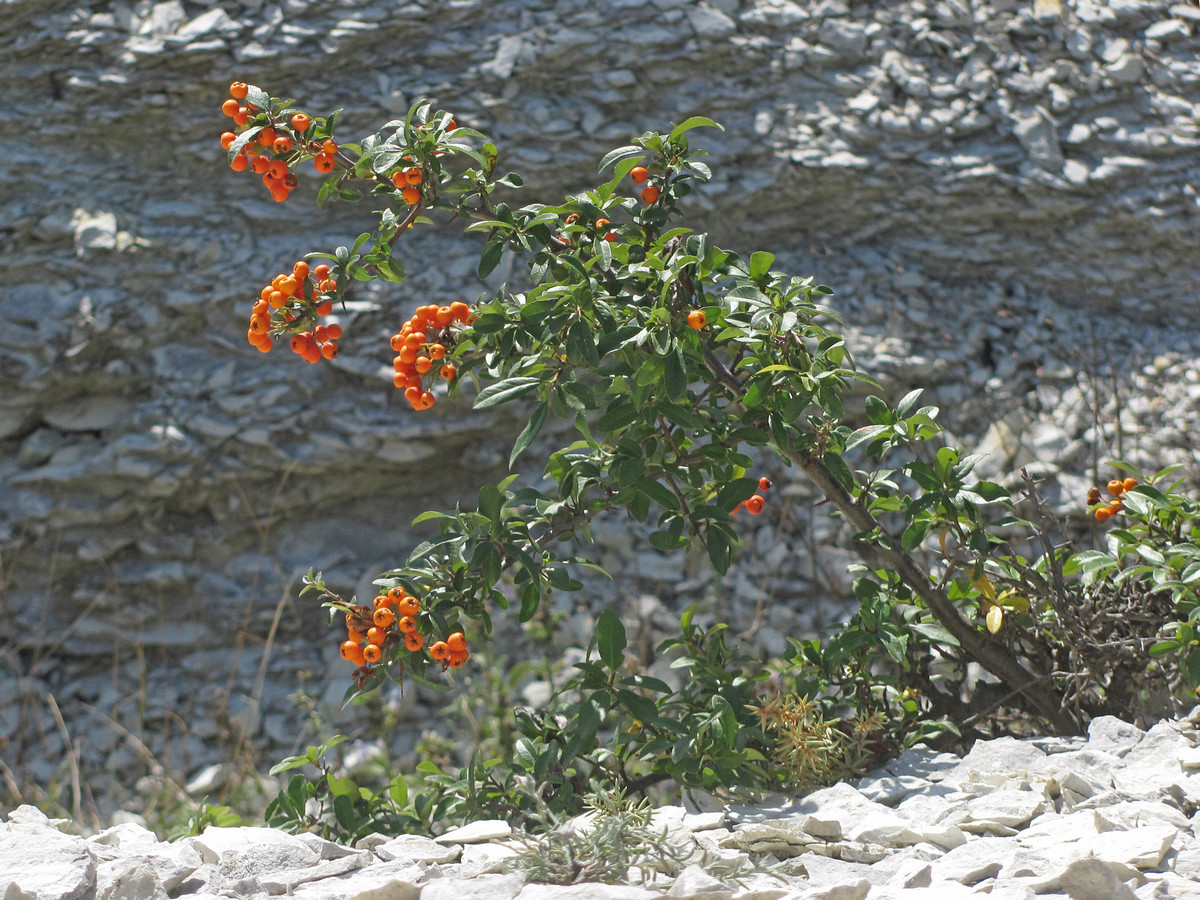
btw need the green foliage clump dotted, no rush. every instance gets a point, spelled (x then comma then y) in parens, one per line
(669, 411)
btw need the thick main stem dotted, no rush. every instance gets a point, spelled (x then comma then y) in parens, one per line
(988, 653)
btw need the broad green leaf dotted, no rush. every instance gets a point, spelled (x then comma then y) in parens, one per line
(529, 432)
(690, 123)
(505, 390)
(610, 639)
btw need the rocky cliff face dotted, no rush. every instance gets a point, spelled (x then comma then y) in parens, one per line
(1001, 193)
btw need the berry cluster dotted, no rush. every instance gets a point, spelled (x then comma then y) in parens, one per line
(1106, 510)
(296, 299)
(277, 147)
(407, 181)
(757, 503)
(394, 619)
(422, 342)
(640, 175)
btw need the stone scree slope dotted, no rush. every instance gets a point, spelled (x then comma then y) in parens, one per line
(1106, 817)
(974, 179)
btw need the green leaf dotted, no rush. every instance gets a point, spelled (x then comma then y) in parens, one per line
(398, 790)
(613, 155)
(505, 390)
(610, 639)
(529, 432)
(490, 502)
(934, 633)
(493, 251)
(619, 414)
(914, 534)
(760, 263)
(659, 493)
(690, 123)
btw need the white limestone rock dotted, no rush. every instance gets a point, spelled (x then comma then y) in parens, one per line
(37, 860)
(417, 848)
(477, 832)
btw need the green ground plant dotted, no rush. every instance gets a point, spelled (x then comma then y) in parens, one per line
(678, 364)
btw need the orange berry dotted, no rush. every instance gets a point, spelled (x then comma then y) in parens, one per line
(325, 307)
(321, 272)
(457, 642)
(696, 319)
(398, 179)
(408, 355)
(383, 617)
(426, 400)
(408, 606)
(372, 653)
(1116, 506)
(572, 218)
(330, 350)
(601, 223)
(1116, 488)
(324, 163)
(230, 107)
(376, 635)
(458, 658)
(241, 117)
(239, 163)
(411, 195)
(413, 641)
(279, 194)
(406, 624)
(1129, 484)
(334, 330)
(764, 483)
(422, 364)
(282, 144)
(411, 394)
(238, 89)
(277, 300)
(755, 505)
(227, 140)
(448, 372)
(351, 652)
(301, 122)
(277, 168)
(439, 650)
(1103, 513)
(436, 351)
(260, 165)
(357, 636)
(639, 174)
(266, 137)
(329, 146)
(300, 270)
(461, 311)
(380, 601)
(649, 193)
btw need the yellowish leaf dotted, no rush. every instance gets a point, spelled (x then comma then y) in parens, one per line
(995, 618)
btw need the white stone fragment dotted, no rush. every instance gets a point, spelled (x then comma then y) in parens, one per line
(477, 832)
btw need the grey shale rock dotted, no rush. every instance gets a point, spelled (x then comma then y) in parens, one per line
(1002, 195)
(1019, 837)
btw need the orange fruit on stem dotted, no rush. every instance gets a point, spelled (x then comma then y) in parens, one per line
(1116, 488)
(639, 174)
(696, 319)
(351, 652)
(649, 194)
(372, 653)
(755, 505)
(301, 122)
(439, 650)
(238, 89)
